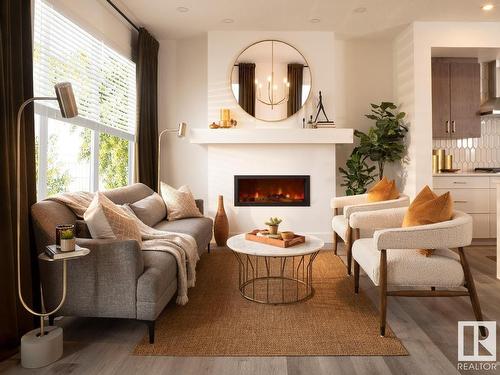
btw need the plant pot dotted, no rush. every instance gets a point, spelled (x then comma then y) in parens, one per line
(221, 224)
(273, 229)
(68, 245)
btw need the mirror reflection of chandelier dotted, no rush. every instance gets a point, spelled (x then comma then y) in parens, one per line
(272, 87)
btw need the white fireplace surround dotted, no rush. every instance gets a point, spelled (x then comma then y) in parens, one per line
(310, 152)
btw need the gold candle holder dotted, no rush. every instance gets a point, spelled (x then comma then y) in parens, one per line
(449, 162)
(441, 154)
(435, 164)
(225, 117)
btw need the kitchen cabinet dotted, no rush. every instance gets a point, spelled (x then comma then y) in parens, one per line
(475, 195)
(455, 98)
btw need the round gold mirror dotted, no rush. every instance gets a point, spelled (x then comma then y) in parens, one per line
(271, 80)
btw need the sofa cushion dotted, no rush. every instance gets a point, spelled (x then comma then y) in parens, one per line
(107, 220)
(180, 202)
(408, 267)
(200, 228)
(150, 210)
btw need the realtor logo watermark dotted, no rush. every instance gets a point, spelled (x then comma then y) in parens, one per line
(472, 351)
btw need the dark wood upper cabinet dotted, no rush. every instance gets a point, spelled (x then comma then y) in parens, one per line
(455, 98)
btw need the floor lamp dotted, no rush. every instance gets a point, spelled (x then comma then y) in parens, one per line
(40, 347)
(181, 132)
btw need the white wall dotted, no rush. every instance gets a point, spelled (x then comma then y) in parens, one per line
(414, 86)
(182, 96)
(364, 75)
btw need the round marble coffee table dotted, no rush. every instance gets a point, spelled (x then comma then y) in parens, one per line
(275, 275)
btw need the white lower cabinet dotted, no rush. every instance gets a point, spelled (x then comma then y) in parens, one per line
(475, 195)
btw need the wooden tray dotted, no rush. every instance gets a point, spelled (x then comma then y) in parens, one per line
(252, 236)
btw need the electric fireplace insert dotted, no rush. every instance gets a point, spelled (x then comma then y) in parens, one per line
(273, 190)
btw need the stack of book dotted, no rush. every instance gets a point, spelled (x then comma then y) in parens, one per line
(53, 252)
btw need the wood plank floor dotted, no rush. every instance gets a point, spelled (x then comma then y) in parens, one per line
(427, 327)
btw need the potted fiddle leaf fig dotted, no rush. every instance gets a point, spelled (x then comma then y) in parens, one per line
(357, 174)
(68, 241)
(384, 142)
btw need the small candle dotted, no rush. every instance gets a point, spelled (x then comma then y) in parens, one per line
(225, 115)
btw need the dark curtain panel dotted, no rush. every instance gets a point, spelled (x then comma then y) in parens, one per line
(16, 85)
(246, 81)
(295, 73)
(147, 99)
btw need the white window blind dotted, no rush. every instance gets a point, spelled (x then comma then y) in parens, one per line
(104, 81)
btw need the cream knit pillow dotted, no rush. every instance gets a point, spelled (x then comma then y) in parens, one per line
(107, 220)
(180, 203)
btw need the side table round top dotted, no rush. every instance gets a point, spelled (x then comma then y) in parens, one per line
(239, 244)
(82, 251)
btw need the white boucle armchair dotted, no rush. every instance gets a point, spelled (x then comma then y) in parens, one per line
(351, 204)
(391, 258)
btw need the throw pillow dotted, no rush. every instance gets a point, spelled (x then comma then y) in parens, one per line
(384, 190)
(180, 202)
(107, 220)
(150, 210)
(428, 208)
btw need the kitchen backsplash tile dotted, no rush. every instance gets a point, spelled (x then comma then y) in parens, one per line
(470, 153)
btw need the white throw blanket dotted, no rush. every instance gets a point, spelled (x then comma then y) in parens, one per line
(182, 246)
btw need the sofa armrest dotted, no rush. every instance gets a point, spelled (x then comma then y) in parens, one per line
(402, 201)
(348, 200)
(199, 204)
(100, 284)
(371, 220)
(456, 232)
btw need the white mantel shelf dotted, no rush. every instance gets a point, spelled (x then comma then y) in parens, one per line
(271, 136)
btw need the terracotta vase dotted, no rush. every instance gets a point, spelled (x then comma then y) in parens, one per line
(221, 224)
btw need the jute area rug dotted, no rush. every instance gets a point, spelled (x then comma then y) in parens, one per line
(218, 321)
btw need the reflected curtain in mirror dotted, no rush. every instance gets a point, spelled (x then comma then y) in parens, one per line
(16, 85)
(246, 81)
(295, 77)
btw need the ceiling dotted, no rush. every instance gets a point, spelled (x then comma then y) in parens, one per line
(348, 18)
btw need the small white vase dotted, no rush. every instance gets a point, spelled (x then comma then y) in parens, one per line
(68, 245)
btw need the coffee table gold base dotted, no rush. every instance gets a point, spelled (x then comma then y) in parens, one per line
(275, 280)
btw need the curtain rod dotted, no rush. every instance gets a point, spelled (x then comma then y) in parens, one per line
(123, 15)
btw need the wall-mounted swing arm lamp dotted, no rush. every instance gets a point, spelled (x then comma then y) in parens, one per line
(181, 132)
(34, 346)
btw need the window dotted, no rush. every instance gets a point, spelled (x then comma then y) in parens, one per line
(95, 150)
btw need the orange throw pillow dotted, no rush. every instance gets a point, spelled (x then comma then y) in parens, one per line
(384, 190)
(428, 208)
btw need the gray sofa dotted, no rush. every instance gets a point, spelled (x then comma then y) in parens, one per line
(117, 279)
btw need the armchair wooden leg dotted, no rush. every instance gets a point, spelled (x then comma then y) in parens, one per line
(335, 235)
(433, 288)
(472, 289)
(335, 242)
(383, 291)
(356, 277)
(208, 248)
(348, 245)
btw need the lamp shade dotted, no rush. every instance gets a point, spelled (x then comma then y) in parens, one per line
(66, 99)
(181, 131)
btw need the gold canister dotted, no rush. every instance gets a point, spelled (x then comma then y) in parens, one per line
(449, 162)
(435, 164)
(441, 154)
(225, 117)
